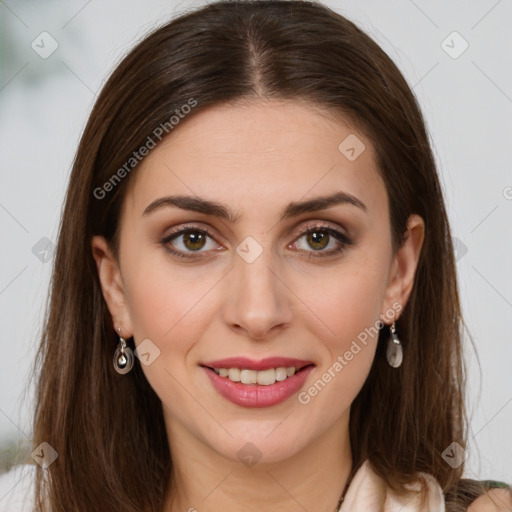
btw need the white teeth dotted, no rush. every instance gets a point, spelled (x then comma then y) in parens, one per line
(248, 376)
(264, 377)
(281, 374)
(234, 374)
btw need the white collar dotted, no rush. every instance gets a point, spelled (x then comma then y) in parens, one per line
(368, 492)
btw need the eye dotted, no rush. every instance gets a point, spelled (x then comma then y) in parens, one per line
(320, 237)
(188, 240)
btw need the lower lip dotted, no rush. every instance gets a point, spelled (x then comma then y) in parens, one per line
(256, 395)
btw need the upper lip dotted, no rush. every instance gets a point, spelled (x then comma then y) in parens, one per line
(262, 364)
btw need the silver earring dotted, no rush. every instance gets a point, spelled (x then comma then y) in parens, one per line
(123, 356)
(394, 352)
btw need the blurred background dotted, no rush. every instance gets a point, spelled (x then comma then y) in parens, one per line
(54, 59)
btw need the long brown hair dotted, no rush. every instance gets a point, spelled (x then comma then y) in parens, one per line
(108, 429)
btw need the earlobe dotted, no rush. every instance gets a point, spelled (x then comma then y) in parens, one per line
(111, 282)
(405, 262)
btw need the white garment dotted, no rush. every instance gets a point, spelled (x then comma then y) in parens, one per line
(367, 492)
(16, 489)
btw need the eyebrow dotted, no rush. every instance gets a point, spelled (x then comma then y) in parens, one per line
(208, 207)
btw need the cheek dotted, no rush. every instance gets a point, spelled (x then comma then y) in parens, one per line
(348, 327)
(347, 320)
(346, 303)
(165, 301)
(172, 308)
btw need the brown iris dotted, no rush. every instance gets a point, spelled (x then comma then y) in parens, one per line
(196, 240)
(317, 240)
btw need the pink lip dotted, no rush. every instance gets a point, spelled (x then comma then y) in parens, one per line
(263, 364)
(256, 395)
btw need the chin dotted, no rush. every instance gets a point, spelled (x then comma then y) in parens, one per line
(262, 446)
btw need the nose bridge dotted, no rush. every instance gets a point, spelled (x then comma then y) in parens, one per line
(258, 300)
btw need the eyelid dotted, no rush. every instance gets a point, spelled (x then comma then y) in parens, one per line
(185, 227)
(322, 224)
(309, 226)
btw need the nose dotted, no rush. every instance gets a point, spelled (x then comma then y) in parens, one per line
(258, 301)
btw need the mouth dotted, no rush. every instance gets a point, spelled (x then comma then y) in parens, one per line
(265, 387)
(265, 377)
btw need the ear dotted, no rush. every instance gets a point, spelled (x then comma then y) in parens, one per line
(403, 268)
(112, 286)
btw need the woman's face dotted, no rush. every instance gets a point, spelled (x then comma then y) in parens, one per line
(247, 282)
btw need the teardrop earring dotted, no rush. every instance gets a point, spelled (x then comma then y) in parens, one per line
(394, 352)
(123, 356)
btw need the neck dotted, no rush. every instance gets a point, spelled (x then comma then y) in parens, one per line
(312, 478)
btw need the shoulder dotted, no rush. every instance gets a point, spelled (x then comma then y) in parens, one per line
(494, 500)
(17, 487)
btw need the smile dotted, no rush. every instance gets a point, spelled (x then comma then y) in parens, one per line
(264, 377)
(251, 388)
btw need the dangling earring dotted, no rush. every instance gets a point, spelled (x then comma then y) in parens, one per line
(394, 352)
(123, 356)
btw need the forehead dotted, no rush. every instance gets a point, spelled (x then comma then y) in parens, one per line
(264, 153)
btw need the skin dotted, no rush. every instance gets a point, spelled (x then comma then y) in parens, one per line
(496, 500)
(256, 158)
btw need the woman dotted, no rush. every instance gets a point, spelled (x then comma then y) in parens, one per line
(254, 210)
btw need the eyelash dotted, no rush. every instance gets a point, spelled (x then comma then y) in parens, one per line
(314, 228)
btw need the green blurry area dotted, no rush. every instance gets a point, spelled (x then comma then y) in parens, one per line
(14, 452)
